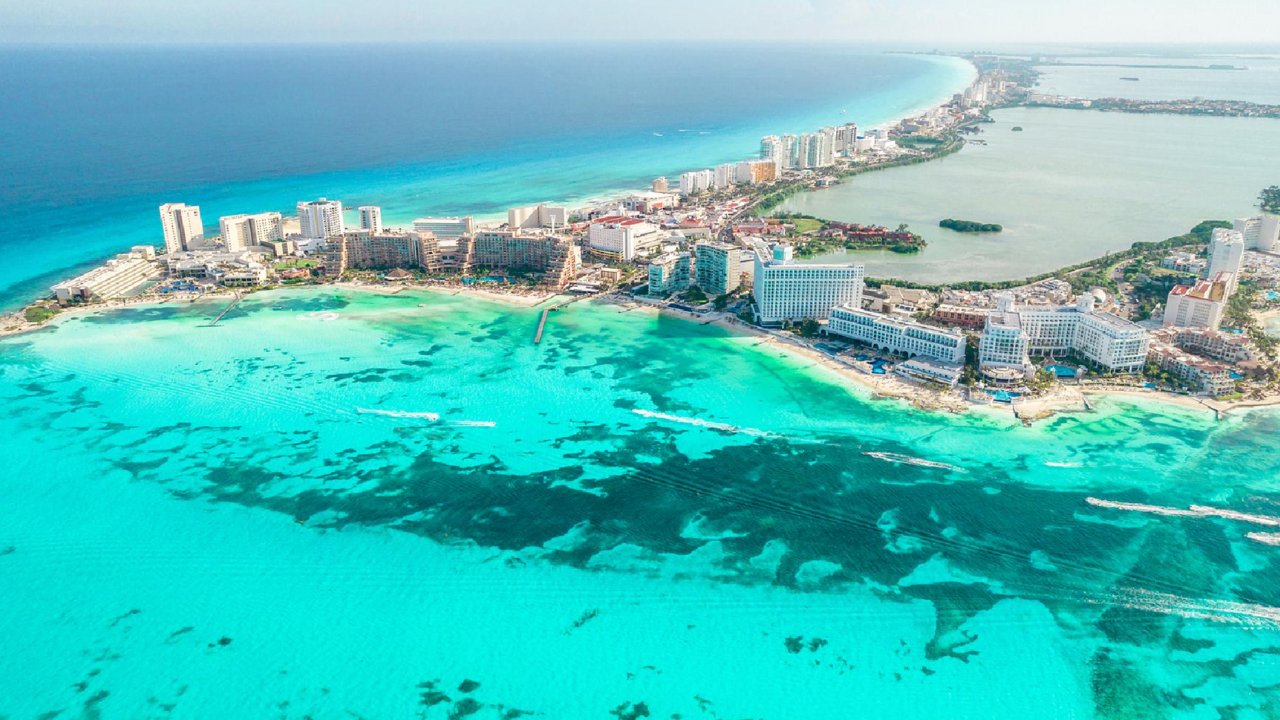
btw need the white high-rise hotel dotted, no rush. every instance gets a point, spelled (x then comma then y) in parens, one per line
(182, 226)
(241, 231)
(1260, 233)
(320, 219)
(787, 290)
(371, 218)
(1226, 253)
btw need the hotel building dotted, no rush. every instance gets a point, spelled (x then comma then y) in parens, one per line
(1013, 333)
(670, 273)
(371, 218)
(789, 291)
(320, 219)
(555, 257)
(718, 267)
(182, 227)
(622, 238)
(537, 216)
(1226, 254)
(1201, 305)
(445, 227)
(1207, 376)
(896, 335)
(117, 277)
(1260, 233)
(241, 231)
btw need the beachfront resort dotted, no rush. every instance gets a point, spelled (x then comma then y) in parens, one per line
(1175, 317)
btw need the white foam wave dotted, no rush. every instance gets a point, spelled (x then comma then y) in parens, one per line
(401, 414)
(709, 424)
(475, 423)
(1062, 464)
(1264, 538)
(1203, 511)
(908, 460)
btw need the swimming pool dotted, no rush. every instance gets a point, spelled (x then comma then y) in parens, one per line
(1061, 370)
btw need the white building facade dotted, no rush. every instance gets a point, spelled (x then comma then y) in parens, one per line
(1226, 255)
(1260, 233)
(785, 290)
(117, 277)
(896, 335)
(445, 227)
(321, 218)
(623, 237)
(241, 231)
(182, 226)
(537, 216)
(1012, 334)
(371, 218)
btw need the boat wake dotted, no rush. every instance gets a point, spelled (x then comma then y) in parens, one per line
(1223, 611)
(1203, 511)
(709, 424)
(475, 423)
(908, 460)
(1265, 538)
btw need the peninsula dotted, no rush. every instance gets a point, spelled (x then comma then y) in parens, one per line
(707, 247)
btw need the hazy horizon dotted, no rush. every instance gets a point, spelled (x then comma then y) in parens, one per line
(910, 22)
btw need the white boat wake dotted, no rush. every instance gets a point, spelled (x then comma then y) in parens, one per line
(1203, 511)
(699, 422)
(908, 460)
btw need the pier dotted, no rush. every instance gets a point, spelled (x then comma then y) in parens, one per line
(236, 301)
(542, 323)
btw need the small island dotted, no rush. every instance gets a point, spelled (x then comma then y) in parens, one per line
(1269, 199)
(969, 226)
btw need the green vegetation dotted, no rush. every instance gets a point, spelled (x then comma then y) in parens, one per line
(1269, 199)
(808, 225)
(695, 295)
(969, 226)
(39, 313)
(918, 142)
(1080, 273)
(809, 328)
(295, 263)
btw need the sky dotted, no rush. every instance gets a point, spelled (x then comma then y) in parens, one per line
(963, 23)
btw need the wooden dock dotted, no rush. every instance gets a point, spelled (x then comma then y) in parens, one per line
(225, 310)
(542, 323)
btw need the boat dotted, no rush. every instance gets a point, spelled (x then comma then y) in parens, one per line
(1017, 128)
(1130, 79)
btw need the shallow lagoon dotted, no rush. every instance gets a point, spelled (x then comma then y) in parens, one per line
(1071, 186)
(374, 506)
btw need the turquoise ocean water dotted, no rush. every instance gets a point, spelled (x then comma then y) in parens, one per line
(341, 504)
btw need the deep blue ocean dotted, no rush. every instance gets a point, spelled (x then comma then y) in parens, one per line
(95, 138)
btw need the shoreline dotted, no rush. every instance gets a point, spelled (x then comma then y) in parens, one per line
(889, 386)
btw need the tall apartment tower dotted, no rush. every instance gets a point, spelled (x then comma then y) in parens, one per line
(371, 218)
(182, 226)
(1226, 253)
(320, 218)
